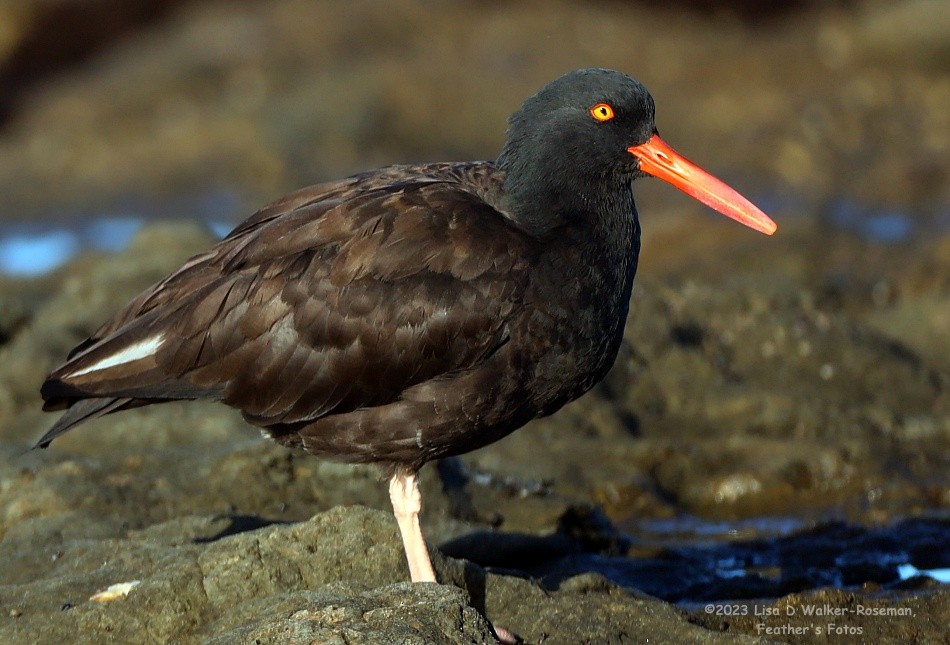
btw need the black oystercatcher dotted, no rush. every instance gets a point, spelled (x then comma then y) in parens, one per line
(413, 312)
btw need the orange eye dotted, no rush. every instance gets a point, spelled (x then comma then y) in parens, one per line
(602, 112)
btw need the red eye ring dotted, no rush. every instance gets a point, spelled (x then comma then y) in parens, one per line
(602, 112)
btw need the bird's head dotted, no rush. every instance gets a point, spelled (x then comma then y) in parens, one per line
(589, 133)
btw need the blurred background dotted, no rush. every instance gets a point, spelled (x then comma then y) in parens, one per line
(769, 383)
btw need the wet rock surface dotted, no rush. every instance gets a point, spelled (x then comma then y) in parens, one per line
(773, 442)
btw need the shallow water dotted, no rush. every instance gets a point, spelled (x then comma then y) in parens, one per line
(692, 530)
(689, 559)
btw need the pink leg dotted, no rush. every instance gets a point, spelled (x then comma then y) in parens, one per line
(407, 502)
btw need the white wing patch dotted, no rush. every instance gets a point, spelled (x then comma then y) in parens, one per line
(139, 350)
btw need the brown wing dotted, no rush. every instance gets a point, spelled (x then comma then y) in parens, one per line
(319, 304)
(193, 273)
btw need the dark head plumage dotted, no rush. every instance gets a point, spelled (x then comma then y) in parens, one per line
(557, 153)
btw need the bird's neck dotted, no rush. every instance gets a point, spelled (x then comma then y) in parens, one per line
(543, 202)
(608, 239)
(595, 212)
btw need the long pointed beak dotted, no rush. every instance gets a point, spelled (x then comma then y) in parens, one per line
(660, 160)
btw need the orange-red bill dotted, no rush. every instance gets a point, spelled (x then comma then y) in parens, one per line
(660, 160)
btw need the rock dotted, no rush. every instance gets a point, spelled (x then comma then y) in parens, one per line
(398, 613)
(340, 575)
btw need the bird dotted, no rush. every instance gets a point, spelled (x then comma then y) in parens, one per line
(412, 312)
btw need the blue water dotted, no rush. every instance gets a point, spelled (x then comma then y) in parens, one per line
(906, 571)
(25, 252)
(32, 249)
(36, 247)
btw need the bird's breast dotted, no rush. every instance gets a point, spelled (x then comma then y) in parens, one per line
(575, 314)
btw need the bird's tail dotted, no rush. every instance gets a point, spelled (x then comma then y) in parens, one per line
(81, 411)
